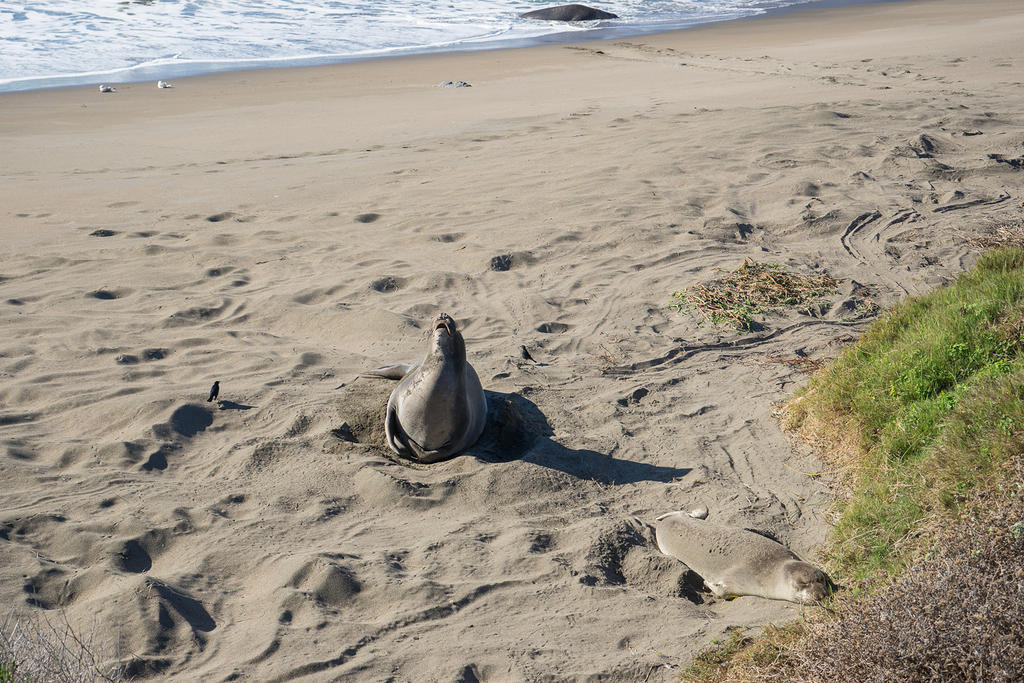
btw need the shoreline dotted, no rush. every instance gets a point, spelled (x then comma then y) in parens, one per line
(176, 70)
(281, 231)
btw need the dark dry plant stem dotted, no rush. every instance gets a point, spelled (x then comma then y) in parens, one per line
(32, 648)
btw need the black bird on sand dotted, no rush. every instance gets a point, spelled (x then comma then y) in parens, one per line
(214, 390)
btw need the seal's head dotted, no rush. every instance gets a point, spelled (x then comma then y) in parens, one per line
(804, 583)
(448, 340)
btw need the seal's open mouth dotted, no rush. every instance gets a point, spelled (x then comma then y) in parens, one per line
(444, 322)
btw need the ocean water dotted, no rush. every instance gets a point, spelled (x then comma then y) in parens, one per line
(45, 43)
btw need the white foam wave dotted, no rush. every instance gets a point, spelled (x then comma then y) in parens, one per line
(59, 42)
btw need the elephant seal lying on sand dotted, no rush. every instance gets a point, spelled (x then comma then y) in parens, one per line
(735, 562)
(438, 409)
(568, 13)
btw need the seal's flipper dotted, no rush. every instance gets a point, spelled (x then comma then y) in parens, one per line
(407, 447)
(432, 455)
(397, 371)
(393, 433)
(696, 513)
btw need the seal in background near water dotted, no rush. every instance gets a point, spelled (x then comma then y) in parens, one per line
(735, 562)
(568, 13)
(438, 409)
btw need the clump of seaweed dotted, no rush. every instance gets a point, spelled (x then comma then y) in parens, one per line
(752, 289)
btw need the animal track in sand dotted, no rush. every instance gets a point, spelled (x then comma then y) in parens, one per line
(366, 217)
(207, 314)
(46, 589)
(623, 554)
(501, 263)
(133, 558)
(634, 397)
(188, 608)
(146, 355)
(190, 419)
(158, 458)
(387, 284)
(109, 294)
(326, 582)
(217, 272)
(316, 296)
(185, 422)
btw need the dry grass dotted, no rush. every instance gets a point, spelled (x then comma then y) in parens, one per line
(954, 616)
(35, 649)
(834, 439)
(803, 364)
(1002, 236)
(740, 659)
(750, 290)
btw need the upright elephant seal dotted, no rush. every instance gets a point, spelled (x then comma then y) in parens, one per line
(735, 562)
(568, 13)
(438, 409)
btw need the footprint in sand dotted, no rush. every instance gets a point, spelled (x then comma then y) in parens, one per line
(552, 328)
(387, 284)
(109, 294)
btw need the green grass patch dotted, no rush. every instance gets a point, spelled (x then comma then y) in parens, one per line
(932, 398)
(925, 417)
(751, 290)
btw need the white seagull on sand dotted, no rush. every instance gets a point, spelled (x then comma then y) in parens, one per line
(163, 84)
(107, 88)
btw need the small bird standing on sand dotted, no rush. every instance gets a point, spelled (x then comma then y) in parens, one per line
(163, 84)
(107, 88)
(214, 390)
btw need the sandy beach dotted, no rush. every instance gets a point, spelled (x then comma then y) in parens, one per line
(283, 230)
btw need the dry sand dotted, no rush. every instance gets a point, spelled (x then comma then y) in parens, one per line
(281, 231)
